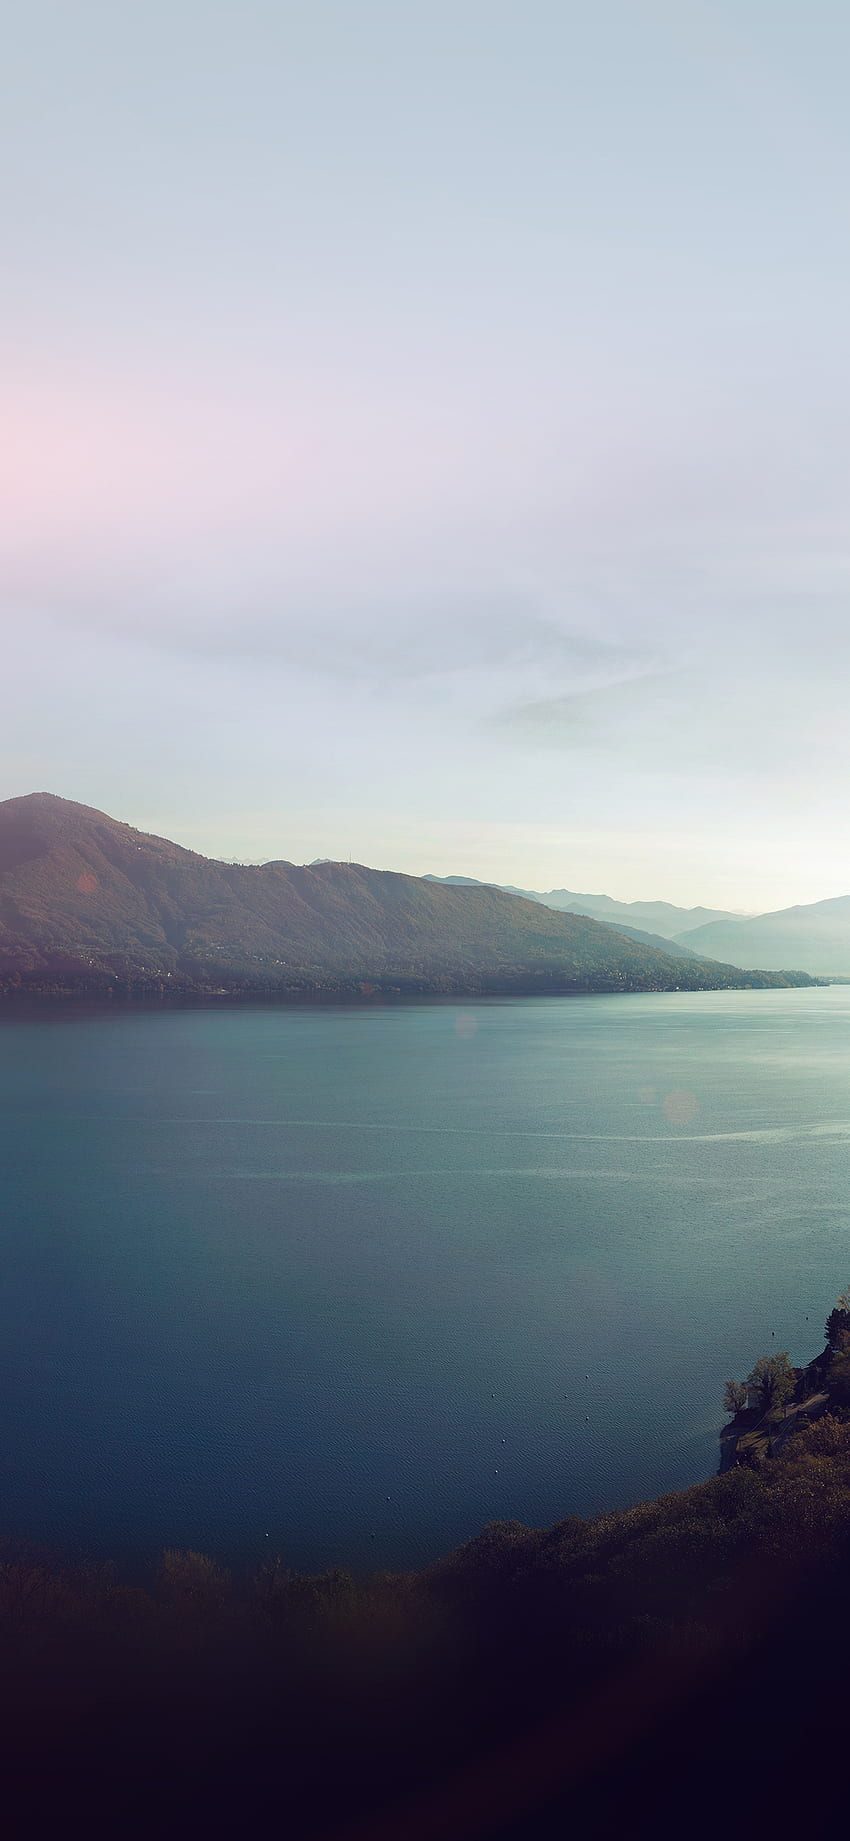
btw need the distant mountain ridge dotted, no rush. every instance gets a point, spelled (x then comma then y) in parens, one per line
(662, 916)
(86, 901)
(816, 934)
(676, 948)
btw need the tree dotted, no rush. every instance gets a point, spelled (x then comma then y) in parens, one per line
(773, 1378)
(837, 1326)
(838, 1379)
(190, 1578)
(734, 1397)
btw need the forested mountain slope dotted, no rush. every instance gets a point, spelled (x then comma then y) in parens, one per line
(87, 897)
(655, 916)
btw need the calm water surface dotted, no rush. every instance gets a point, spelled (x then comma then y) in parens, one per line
(351, 1283)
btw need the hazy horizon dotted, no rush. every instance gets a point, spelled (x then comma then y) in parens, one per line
(427, 435)
(438, 875)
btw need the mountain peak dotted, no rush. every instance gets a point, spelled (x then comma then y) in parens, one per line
(88, 897)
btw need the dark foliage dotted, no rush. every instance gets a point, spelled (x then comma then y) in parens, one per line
(837, 1329)
(529, 1671)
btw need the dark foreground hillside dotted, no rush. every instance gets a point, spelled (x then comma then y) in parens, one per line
(674, 1668)
(89, 904)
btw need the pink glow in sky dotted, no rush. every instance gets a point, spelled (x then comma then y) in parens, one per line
(430, 441)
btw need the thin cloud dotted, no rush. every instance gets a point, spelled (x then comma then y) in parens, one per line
(401, 641)
(713, 725)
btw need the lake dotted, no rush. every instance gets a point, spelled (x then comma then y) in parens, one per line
(347, 1284)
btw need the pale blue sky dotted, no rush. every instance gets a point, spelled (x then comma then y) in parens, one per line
(426, 433)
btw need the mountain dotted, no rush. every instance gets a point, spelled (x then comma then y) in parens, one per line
(675, 949)
(88, 901)
(671, 922)
(815, 936)
(662, 914)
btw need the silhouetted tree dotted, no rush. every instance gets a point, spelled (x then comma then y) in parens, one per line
(837, 1326)
(838, 1379)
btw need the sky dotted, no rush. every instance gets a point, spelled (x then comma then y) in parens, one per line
(426, 434)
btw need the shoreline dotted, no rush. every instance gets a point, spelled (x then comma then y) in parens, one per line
(29, 1002)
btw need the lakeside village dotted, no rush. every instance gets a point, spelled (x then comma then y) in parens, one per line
(777, 1398)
